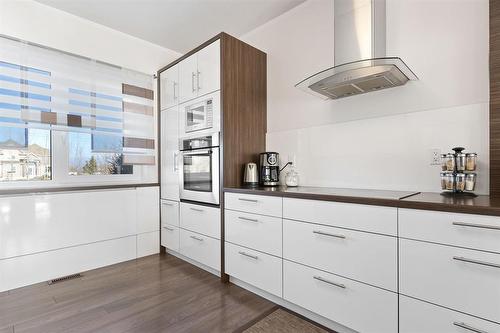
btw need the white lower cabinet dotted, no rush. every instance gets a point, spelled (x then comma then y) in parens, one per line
(461, 279)
(352, 304)
(420, 317)
(256, 268)
(170, 237)
(366, 257)
(201, 248)
(201, 219)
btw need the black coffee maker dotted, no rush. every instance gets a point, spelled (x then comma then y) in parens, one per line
(269, 169)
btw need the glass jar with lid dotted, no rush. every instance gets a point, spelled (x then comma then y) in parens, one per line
(460, 182)
(460, 159)
(470, 181)
(450, 162)
(471, 161)
(450, 181)
(443, 180)
(443, 163)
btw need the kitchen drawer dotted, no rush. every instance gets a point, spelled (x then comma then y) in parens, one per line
(203, 249)
(362, 256)
(253, 267)
(356, 305)
(465, 230)
(169, 212)
(421, 317)
(353, 216)
(431, 272)
(257, 204)
(170, 237)
(259, 232)
(201, 219)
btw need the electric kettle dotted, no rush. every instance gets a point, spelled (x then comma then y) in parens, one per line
(251, 176)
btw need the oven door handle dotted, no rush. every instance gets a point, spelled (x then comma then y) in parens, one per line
(197, 152)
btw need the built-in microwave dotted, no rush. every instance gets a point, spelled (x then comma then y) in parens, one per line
(201, 115)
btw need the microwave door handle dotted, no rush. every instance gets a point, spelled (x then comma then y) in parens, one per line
(176, 166)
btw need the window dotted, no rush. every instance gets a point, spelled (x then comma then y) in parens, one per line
(25, 154)
(66, 119)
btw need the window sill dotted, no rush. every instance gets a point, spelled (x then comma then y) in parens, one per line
(72, 188)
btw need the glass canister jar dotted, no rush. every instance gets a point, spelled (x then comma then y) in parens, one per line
(471, 161)
(443, 163)
(470, 181)
(460, 160)
(292, 178)
(450, 181)
(443, 180)
(460, 182)
(450, 162)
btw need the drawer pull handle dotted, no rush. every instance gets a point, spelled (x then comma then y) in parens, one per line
(468, 327)
(197, 238)
(167, 204)
(169, 229)
(247, 219)
(478, 262)
(319, 278)
(473, 225)
(196, 209)
(328, 234)
(248, 200)
(248, 255)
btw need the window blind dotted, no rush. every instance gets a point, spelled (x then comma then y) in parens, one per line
(50, 89)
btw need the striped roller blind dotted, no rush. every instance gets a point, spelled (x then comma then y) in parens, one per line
(50, 89)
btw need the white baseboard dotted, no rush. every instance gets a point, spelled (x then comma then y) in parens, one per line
(195, 263)
(295, 308)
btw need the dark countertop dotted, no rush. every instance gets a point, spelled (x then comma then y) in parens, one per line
(482, 204)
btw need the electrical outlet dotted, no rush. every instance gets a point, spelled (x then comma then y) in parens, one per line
(435, 156)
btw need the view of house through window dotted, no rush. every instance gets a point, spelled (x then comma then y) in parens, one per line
(25, 154)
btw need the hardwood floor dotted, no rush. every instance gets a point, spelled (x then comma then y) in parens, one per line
(160, 293)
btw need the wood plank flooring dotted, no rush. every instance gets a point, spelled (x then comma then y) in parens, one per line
(160, 293)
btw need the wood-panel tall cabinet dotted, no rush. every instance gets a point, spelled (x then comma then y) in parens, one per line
(237, 71)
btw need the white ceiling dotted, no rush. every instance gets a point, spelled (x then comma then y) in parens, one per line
(179, 25)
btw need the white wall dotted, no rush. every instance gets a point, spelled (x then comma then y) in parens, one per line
(31, 21)
(381, 139)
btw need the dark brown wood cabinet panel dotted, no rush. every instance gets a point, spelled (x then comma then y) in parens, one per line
(494, 98)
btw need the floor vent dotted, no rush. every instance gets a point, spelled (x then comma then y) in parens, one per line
(65, 278)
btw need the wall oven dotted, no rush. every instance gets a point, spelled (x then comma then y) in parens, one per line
(201, 116)
(199, 176)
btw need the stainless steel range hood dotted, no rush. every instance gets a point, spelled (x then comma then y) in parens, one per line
(360, 64)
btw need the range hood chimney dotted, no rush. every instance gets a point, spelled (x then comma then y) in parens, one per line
(361, 64)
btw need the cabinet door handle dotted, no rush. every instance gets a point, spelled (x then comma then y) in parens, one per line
(196, 209)
(197, 238)
(169, 229)
(319, 278)
(175, 83)
(193, 74)
(477, 262)
(248, 255)
(328, 234)
(176, 168)
(247, 219)
(198, 80)
(248, 200)
(167, 203)
(473, 225)
(468, 327)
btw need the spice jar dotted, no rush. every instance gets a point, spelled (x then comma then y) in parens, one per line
(470, 181)
(460, 182)
(450, 181)
(460, 161)
(443, 162)
(471, 161)
(450, 162)
(443, 180)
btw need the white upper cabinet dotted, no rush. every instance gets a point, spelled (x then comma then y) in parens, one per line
(208, 76)
(188, 68)
(199, 73)
(170, 154)
(169, 83)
